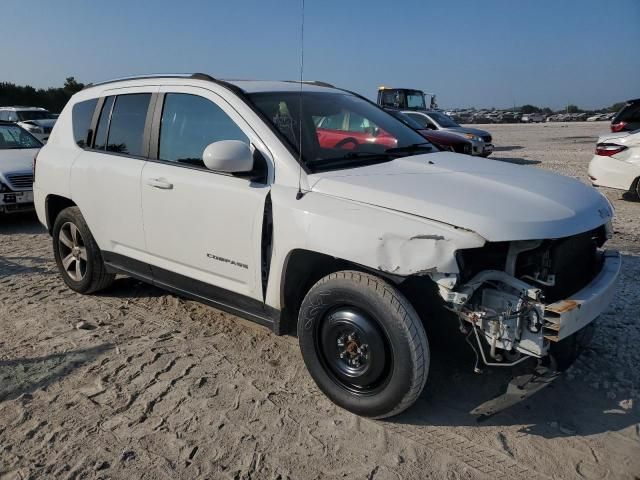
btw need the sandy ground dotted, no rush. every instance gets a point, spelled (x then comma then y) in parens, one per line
(155, 386)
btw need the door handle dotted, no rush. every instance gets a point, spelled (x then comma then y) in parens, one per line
(159, 183)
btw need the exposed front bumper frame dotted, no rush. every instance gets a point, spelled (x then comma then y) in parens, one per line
(565, 317)
(558, 320)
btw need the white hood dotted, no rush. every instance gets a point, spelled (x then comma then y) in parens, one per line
(16, 160)
(499, 201)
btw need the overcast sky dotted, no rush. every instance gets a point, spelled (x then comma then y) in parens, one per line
(471, 53)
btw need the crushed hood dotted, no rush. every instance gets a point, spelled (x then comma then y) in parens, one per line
(497, 200)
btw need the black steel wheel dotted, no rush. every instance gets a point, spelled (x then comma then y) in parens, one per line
(363, 344)
(355, 350)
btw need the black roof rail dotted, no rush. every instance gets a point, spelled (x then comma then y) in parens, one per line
(202, 76)
(195, 76)
(313, 82)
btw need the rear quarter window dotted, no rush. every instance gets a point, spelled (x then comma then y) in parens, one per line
(81, 115)
(126, 129)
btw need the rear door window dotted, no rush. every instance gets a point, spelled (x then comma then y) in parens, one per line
(126, 129)
(81, 117)
(360, 124)
(333, 122)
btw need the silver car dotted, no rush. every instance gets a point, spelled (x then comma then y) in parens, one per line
(481, 140)
(37, 121)
(17, 151)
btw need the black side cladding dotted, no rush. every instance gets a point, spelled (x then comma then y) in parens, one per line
(267, 243)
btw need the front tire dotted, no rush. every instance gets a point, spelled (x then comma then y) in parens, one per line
(77, 254)
(363, 344)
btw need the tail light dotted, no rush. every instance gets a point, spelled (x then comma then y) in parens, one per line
(35, 159)
(609, 149)
(618, 127)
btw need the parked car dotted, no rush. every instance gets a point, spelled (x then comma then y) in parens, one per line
(348, 130)
(481, 140)
(37, 121)
(441, 139)
(616, 163)
(532, 118)
(17, 151)
(597, 117)
(221, 190)
(628, 118)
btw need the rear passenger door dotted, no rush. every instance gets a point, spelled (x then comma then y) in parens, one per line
(105, 179)
(202, 228)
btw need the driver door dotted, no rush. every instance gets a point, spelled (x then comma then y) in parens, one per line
(202, 228)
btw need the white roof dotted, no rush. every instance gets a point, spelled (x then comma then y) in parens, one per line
(254, 86)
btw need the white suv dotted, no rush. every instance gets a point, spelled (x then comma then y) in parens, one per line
(229, 192)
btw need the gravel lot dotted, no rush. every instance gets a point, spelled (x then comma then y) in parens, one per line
(138, 383)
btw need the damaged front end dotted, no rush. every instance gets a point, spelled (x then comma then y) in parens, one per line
(516, 299)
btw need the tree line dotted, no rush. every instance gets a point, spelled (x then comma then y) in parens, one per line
(53, 99)
(569, 109)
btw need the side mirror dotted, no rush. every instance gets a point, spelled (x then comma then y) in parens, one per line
(230, 156)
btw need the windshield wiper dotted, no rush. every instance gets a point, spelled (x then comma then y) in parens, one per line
(410, 148)
(351, 156)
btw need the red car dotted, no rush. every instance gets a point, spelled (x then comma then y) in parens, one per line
(348, 130)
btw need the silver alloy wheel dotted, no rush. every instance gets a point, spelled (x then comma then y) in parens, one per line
(73, 253)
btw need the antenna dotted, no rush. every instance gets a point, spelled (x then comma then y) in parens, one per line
(299, 195)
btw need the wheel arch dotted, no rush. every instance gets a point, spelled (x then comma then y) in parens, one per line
(54, 204)
(635, 186)
(303, 268)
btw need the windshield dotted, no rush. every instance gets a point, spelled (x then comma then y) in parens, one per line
(416, 100)
(13, 137)
(338, 130)
(445, 121)
(33, 115)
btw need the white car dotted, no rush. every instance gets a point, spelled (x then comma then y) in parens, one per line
(532, 118)
(17, 151)
(37, 121)
(616, 163)
(226, 191)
